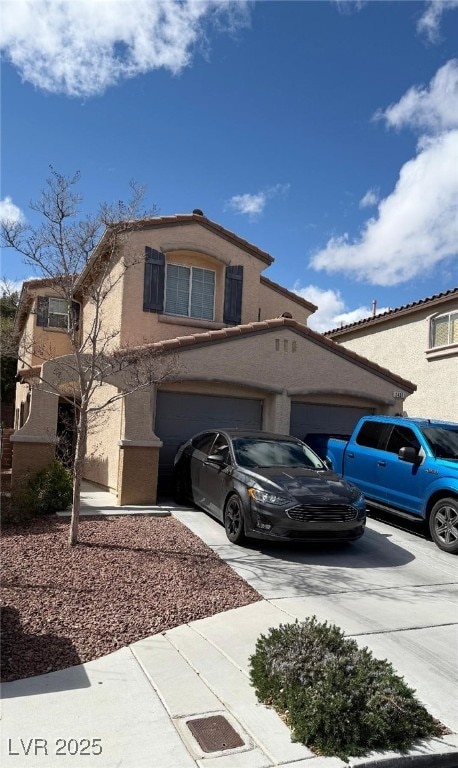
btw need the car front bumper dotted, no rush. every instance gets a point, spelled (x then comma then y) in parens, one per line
(273, 523)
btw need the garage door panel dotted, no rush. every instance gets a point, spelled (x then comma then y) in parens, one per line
(308, 418)
(180, 416)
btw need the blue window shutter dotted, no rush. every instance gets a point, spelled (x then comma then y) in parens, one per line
(42, 311)
(153, 287)
(233, 295)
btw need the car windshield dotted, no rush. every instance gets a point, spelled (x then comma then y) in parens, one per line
(255, 452)
(443, 441)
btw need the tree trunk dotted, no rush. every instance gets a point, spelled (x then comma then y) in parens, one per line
(80, 455)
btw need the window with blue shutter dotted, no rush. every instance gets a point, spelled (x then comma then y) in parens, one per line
(153, 286)
(233, 295)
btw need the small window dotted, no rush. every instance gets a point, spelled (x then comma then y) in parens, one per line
(402, 437)
(190, 291)
(221, 446)
(58, 313)
(444, 330)
(373, 434)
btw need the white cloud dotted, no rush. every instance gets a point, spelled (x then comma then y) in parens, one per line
(416, 226)
(370, 198)
(253, 205)
(429, 22)
(433, 109)
(332, 310)
(81, 48)
(10, 212)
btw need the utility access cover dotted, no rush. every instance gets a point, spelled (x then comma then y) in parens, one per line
(214, 734)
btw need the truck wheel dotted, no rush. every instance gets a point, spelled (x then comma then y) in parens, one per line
(443, 525)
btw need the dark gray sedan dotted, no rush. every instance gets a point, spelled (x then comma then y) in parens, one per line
(268, 486)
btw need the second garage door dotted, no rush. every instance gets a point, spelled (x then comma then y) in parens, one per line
(307, 418)
(179, 416)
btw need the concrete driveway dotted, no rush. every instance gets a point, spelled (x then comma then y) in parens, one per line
(393, 591)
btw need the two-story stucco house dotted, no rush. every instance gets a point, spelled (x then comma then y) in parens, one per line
(418, 341)
(245, 356)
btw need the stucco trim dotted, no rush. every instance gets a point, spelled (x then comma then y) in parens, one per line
(189, 322)
(357, 396)
(248, 384)
(18, 438)
(176, 247)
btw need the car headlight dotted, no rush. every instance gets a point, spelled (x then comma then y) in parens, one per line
(358, 499)
(268, 498)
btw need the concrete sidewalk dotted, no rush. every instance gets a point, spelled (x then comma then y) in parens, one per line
(391, 591)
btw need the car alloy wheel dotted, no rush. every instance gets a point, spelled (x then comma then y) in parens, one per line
(234, 523)
(443, 525)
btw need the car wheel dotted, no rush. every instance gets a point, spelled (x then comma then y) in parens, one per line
(234, 522)
(180, 494)
(443, 525)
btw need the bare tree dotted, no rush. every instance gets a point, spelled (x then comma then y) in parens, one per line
(60, 249)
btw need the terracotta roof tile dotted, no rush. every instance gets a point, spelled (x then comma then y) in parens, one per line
(405, 309)
(210, 337)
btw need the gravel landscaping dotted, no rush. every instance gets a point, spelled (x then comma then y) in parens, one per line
(129, 577)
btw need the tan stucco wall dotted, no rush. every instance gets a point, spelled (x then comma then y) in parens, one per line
(402, 346)
(106, 311)
(101, 464)
(274, 303)
(283, 362)
(190, 244)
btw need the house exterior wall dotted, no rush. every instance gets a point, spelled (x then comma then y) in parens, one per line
(284, 363)
(402, 344)
(274, 303)
(190, 245)
(38, 344)
(101, 465)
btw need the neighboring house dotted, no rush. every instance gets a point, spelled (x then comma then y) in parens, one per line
(245, 356)
(418, 341)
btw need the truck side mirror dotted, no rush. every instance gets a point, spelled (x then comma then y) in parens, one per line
(407, 453)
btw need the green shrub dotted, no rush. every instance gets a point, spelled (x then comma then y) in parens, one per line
(49, 491)
(338, 699)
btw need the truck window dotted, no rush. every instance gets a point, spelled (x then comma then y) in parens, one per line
(373, 434)
(401, 437)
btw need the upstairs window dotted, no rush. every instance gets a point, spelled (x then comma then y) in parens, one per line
(444, 330)
(189, 291)
(53, 313)
(58, 313)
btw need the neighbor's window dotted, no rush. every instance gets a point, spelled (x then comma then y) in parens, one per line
(190, 291)
(444, 330)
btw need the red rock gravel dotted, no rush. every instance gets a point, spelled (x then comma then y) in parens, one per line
(129, 577)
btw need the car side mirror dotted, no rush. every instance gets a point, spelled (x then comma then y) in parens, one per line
(407, 453)
(217, 458)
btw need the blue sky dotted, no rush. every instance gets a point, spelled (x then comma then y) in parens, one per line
(326, 133)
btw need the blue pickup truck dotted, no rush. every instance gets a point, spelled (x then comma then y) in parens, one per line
(403, 465)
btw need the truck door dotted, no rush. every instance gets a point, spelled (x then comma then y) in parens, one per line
(401, 483)
(362, 454)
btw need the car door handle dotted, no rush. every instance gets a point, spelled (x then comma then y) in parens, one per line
(350, 455)
(381, 463)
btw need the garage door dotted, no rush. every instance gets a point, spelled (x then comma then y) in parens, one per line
(330, 419)
(179, 416)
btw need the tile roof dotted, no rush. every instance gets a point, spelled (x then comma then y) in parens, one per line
(237, 331)
(437, 298)
(182, 219)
